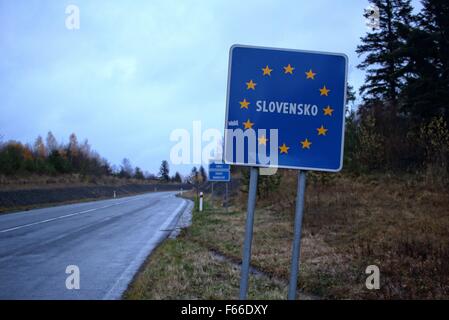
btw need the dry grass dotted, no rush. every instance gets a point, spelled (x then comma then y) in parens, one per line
(34, 181)
(399, 224)
(401, 227)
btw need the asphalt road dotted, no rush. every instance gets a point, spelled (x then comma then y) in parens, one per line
(107, 240)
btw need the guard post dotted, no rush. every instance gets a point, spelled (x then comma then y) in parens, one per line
(200, 204)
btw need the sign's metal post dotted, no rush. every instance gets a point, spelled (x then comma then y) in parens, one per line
(296, 249)
(226, 197)
(212, 195)
(248, 233)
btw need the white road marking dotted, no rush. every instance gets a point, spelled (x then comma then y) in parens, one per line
(66, 216)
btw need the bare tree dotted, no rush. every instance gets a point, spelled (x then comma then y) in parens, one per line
(73, 145)
(126, 170)
(195, 180)
(39, 148)
(52, 144)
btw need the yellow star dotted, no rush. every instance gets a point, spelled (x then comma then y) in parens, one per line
(244, 104)
(328, 111)
(306, 144)
(324, 91)
(267, 71)
(284, 148)
(310, 74)
(322, 131)
(248, 124)
(289, 69)
(263, 140)
(251, 85)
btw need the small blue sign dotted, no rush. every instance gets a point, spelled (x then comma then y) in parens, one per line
(217, 176)
(219, 166)
(285, 108)
(219, 172)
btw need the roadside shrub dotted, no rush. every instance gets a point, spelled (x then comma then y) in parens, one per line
(434, 139)
(266, 184)
(369, 152)
(12, 158)
(57, 161)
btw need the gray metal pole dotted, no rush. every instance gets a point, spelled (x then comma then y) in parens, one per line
(297, 234)
(226, 197)
(248, 233)
(212, 195)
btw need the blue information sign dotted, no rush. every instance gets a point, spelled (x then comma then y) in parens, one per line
(219, 172)
(285, 108)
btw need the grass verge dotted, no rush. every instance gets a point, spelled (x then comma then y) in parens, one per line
(183, 269)
(8, 210)
(350, 223)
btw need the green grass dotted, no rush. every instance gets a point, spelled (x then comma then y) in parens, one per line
(182, 269)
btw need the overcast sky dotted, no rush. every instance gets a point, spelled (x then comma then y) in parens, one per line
(136, 70)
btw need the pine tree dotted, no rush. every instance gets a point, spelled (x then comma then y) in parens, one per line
(164, 171)
(203, 174)
(383, 62)
(138, 174)
(350, 98)
(427, 92)
(177, 177)
(435, 20)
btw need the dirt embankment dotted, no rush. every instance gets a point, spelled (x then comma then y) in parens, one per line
(12, 200)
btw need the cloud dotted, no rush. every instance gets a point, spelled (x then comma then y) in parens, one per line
(137, 70)
(122, 69)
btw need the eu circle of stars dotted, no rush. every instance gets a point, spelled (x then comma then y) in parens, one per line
(259, 76)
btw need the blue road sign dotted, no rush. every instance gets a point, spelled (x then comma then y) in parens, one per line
(219, 172)
(217, 176)
(216, 166)
(292, 102)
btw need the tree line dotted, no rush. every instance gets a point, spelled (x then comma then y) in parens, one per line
(52, 158)
(401, 123)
